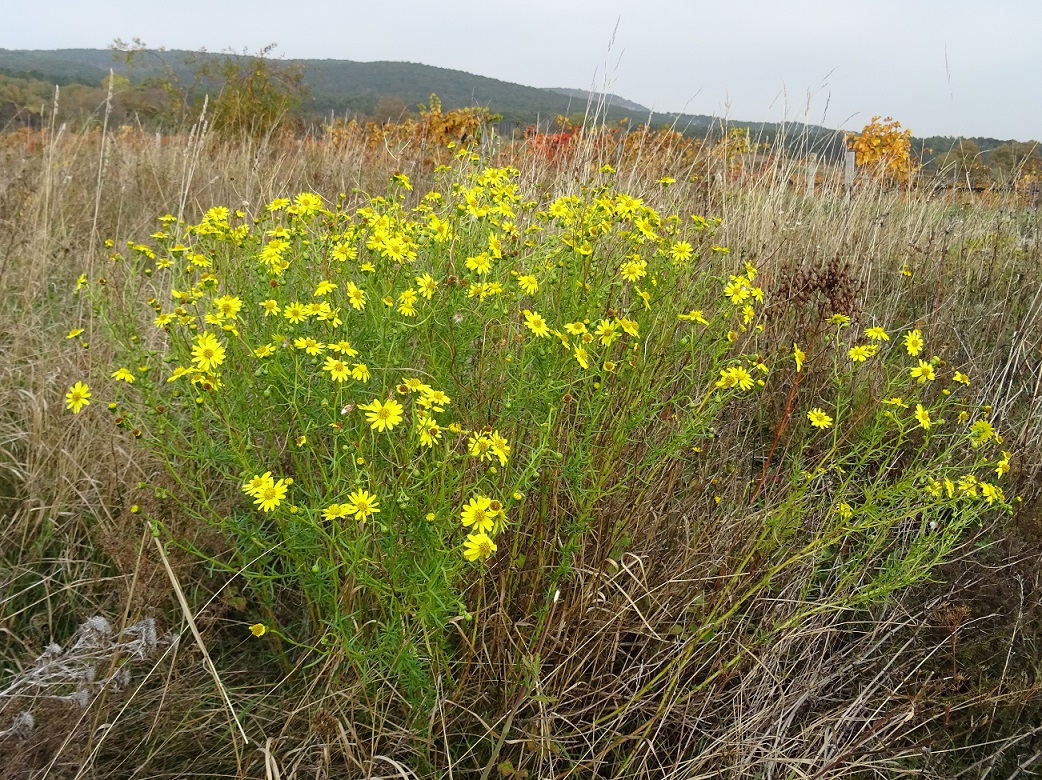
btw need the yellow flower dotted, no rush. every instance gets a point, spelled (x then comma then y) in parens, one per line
(360, 372)
(681, 251)
(207, 353)
(923, 372)
(271, 307)
(981, 432)
(582, 357)
(295, 312)
(735, 376)
(309, 345)
(324, 288)
(74, 333)
(991, 493)
(362, 504)
(1002, 467)
(343, 348)
(427, 285)
(842, 320)
(337, 370)
(877, 334)
(77, 397)
(500, 447)
(478, 545)
(536, 324)
(914, 342)
(895, 401)
(477, 513)
(861, 353)
(264, 350)
(123, 375)
(632, 270)
(961, 378)
(270, 493)
(430, 431)
(228, 306)
(355, 296)
(528, 284)
(695, 315)
(799, 356)
(258, 629)
(480, 264)
(382, 416)
(575, 328)
(923, 416)
(819, 419)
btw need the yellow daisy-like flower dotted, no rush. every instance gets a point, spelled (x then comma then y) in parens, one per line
(480, 447)
(271, 307)
(500, 447)
(309, 345)
(355, 296)
(426, 285)
(582, 357)
(74, 333)
(77, 397)
(981, 432)
(877, 334)
(632, 270)
(536, 324)
(258, 629)
(270, 494)
(961, 378)
(681, 251)
(477, 514)
(695, 315)
(343, 348)
(430, 431)
(478, 545)
(923, 372)
(914, 342)
(528, 284)
(295, 312)
(383, 416)
(735, 376)
(264, 350)
(337, 369)
(324, 288)
(861, 353)
(360, 372)
(895, 401)
(123, 375)
(819, 419)
(362, 504)
(923, 416)
(799, 356)
(991, 493)
(207, 353)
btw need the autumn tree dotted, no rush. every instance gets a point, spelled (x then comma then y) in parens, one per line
(884, 150)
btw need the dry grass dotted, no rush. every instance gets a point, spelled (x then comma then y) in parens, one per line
(618, 678)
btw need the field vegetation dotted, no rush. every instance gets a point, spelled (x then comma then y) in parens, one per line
(408, 451)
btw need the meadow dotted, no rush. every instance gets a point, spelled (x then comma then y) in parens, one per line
(391, 457)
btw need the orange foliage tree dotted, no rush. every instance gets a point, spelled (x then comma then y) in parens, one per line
(884, 149)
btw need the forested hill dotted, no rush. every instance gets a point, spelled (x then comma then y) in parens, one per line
(387, 90)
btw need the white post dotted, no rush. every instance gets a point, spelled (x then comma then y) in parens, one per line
(848, 174)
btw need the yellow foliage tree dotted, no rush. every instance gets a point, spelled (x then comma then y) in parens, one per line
(884, 150)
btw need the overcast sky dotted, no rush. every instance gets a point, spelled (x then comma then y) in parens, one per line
(958, 67)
